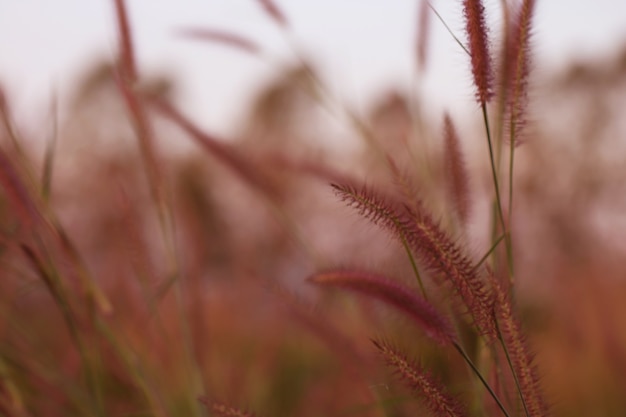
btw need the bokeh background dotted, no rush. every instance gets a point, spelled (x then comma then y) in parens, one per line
(254, 216)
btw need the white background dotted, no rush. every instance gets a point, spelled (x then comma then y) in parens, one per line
(360, 46)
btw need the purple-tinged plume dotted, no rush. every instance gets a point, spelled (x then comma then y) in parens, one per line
(435, 325)
(476, 28)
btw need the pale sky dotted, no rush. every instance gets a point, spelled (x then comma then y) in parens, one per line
(361, 46)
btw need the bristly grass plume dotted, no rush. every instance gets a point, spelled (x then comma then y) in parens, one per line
(479, 48)
(456, 172)
(435, 325)
(419, 380)
(433, 246)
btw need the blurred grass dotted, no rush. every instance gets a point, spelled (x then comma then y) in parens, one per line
(89, 324)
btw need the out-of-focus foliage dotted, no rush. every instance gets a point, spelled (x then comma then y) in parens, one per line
(242, 325)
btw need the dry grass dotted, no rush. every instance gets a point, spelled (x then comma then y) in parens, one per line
(146, 284)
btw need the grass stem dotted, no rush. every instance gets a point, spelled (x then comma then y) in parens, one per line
(500, 212)
(482, 379)
(515, 377)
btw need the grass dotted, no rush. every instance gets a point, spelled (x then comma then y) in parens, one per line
(213, 284)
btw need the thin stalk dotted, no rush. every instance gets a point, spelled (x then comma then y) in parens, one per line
(360, 127)
(14, 137)
(49, 375)
(405, 243)
(489, 252)
(500, 212)
(327, 99)
(46, 180)
(414, 266)
(161, 200)
(13, 394)
(511, 159)
(59, 294)
(500, 374)
(133, 364)
(515, 378)
(494, 228)
(366, 134)
(482, 379)
(448, 29)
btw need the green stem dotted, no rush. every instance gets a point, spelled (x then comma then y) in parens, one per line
(482, 379)
(414, 266)
(510, 362)
(489, 252)
(500, 214)
(59, 293)
(511, 159)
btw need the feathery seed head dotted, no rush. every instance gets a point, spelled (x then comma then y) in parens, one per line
(394, 294)
(476, 28)
(442, 255)
(518, 65)
(437, 251)
(422, 382)
(522, 361)
(458, 183)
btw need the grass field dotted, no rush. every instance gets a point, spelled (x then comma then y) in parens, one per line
(443, 268)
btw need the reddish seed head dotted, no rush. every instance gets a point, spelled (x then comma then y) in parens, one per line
(519, 350)
(436, 249)
(394, 294)
(423, 383)
(476, 28)
(441, 254)
(457, 178)
(518, 65)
